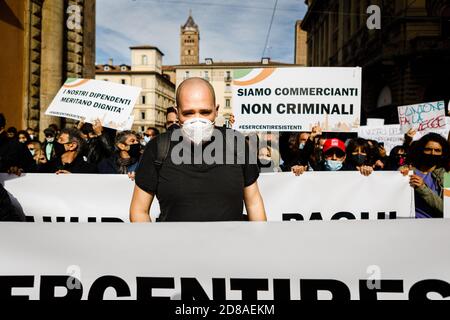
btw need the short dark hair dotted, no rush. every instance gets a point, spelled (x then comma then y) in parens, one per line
(54, 126)
(49, 132)
(418, 148)
(87, 128)
(2, 121)
(12, 130)
(156, 131)
(74, 136)
(25, 133)
(171, 110)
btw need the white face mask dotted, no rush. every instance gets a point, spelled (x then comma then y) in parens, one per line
(198, 129)
(147, 139)
(50, 140)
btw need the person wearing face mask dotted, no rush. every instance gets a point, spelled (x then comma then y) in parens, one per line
(31, 134)
(149, 134)
(429, 158)
(68, 155)
(48, 146)
(397, 158)
(359, 156)
(23, 137)
(172, 121)
(335, 158)
(196, 190)
(14, 156)
(265, 160)
(126, 157)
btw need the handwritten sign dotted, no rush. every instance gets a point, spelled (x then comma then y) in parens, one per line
(427, 117)
(390, 135)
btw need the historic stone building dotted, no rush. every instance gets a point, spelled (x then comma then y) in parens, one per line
(146, 71)
(189, 42)
(44, 42)
(301, 48)
(406, 61)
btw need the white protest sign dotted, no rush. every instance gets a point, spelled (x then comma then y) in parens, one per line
(88, 99)
(390, 135)
(426, 117)
(373, 122)
(101, 198)
(367, 260)
(296, 99)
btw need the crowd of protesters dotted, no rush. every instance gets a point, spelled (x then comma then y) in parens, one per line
(91, 148)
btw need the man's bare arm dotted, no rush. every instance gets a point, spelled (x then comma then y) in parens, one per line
(140, 205)
(254, 203)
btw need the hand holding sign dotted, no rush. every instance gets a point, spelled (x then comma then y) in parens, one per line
(87, 100)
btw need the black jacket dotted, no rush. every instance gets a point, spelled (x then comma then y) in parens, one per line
(98, 149)
(77, 166)
(14, 154)
(7, 210)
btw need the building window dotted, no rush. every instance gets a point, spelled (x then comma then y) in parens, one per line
(207, 75)
(142, 115)
(106, 68)
(227, 88)
(227, 103)
(142, 99)
(123, 68)
(142, 129)
(186, 75)
(144, 60)
(124, 81)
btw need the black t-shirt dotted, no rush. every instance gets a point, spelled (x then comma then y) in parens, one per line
(196, 192)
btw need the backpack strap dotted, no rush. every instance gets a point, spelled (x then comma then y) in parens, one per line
(162, 150)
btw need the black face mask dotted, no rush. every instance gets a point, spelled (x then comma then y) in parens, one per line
(173, 127)
(430, 160)
(59, 149)
(135, 150)
(359, 159)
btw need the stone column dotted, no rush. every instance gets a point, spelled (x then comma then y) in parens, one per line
(52, 58)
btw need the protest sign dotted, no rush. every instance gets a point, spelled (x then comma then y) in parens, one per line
(367, 260)
(296, 99)
(373, 122)
(88, 99)
(390, 135)
(106, 198)
(424, 117)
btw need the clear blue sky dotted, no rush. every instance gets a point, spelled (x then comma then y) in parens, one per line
(231, 30)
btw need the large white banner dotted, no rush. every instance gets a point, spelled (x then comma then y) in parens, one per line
(296, 99)
(88, 99)
(366, 260)
(312, 196)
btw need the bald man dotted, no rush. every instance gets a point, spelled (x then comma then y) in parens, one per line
(195, 191)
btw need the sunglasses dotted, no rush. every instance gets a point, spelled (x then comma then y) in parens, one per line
(338, 153)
